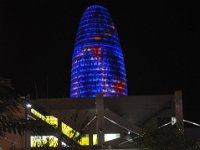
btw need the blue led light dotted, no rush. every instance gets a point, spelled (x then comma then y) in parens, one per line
(98, 63)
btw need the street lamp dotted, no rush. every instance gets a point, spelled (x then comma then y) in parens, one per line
(27, 105)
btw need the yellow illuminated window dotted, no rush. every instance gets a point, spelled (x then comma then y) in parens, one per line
(67, 130)
(111, 136)
(48, 119)
(107, 137)
(94, 139)
(84, 141)
(37, 114)
(41, 141)
(73, 134)
(52, 120)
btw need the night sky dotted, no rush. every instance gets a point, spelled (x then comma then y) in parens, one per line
(160, 43)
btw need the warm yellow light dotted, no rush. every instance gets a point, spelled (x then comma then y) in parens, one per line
(107, 34)
(84, 141)
(48, 119)
(52, 121)
(94, 139)
(37, 114)
(107, 137)
(44, 141)
(73, 134)
(97, 38)
(68, 131)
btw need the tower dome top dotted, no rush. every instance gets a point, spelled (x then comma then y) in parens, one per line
(96, 7)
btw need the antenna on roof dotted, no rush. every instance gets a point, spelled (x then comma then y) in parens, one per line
(47, 86)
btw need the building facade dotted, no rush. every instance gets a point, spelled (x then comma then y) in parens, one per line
(98, 63)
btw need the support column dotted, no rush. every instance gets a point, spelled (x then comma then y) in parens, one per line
(179, 110)
(91, 139)
(59, 134)
(100, 119)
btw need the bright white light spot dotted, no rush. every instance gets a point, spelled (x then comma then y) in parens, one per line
(173, 120)
(64, 144)
(112, 136)
(28, 105)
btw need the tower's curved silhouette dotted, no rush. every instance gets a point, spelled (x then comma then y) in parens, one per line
(98, 63)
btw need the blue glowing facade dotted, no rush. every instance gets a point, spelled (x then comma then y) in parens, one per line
(98, 63)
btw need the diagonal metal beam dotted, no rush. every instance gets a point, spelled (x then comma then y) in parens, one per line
(116, 119)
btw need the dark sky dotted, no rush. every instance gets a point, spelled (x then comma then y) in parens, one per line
(160, 43)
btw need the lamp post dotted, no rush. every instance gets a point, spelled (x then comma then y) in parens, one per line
(100, 119)
(26, 106)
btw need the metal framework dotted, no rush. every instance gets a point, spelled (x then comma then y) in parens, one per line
(98, 63)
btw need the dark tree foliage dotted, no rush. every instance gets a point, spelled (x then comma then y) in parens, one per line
(165, 138)
(9, 108)
(12, 119)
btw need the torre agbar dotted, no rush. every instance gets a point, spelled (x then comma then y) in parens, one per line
(98, 63)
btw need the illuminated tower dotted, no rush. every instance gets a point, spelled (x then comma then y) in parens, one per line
(98, 63)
